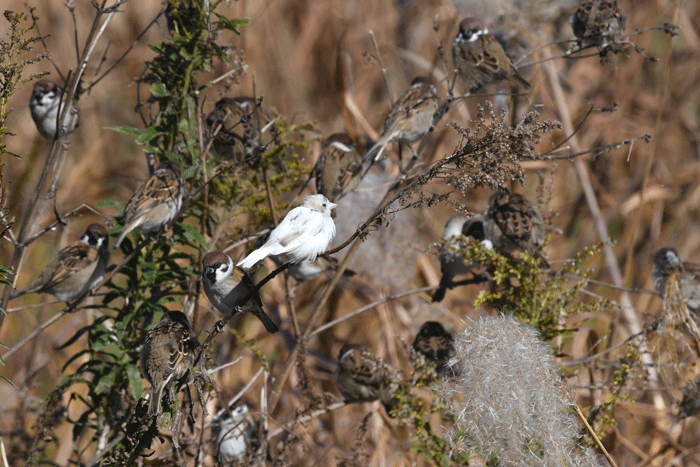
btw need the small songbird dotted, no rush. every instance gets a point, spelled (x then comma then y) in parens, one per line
(598, 23)
(44, 107)
(155, 203)
(410, 118)
(667, 265)
(452, 265)
(435, 344)
(241, 129)
(76, 269)
(362, 377)
(512, 222)
(479, 58)
(227, 285)
(338, 169)
(167, 354)
(233, 430)
(304, 233)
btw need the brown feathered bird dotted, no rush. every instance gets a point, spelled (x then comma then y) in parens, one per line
(670, 272)
(363, 377)
(479, 58)
(338, 169)
(167, 354)
(513, 223)
(435, 344)
(598, 23)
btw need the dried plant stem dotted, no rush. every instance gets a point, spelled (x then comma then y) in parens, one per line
(628, 312)
(57, 154)
(305, 418)
(662, 98)
(594, 436)
(370, 306)
(382, 67)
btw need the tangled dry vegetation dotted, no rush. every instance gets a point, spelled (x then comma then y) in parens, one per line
(607, 147)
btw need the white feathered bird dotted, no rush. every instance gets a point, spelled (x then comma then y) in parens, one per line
(304, 233)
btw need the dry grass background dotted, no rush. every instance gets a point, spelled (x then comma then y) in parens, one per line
(291, 49)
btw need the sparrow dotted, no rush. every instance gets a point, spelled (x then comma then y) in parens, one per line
(304, 233)
(362, 377)
(598, 23)
(76, 269)
(226, 285)
(44, 107)
(452, 265)
(338, 169)
(305, 270)
(410, 119)
(512, 222)
(236, 125)
(668, 267)
(435, 344)
(156, 202)
(479, 58)
(168, 354)
(233, 430)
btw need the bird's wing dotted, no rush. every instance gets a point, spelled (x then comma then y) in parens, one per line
(72, 259)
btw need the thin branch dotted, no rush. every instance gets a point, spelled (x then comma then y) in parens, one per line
(594, 436)
(306, 418)
(382, 67)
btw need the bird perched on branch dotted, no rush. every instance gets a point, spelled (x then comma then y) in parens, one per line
(44, 106)
(435, 344)
(598, 23)
(155, 203)
(304, 233)
(228, 286)
(479, 58)
(168, 353)
(410, 118)
(76, 269)
(338, 169)
(362, 377)
(234, 431)
(668, 265)
(512, 222)
(452, 265)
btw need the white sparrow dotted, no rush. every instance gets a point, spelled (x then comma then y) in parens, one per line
(168, 354)
(512, 222)
(76, 269)
(44, 107)
(338, 169)
(435, 344)
(155, 203)
(226, 285)
(410, 118)
(304, 233)
(668, 265)
(452, 265)
(233, 432)
(241, 129)
(479, 58)
(598, 23)
(362, 377)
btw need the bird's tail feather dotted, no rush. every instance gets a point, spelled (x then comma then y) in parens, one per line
(253, 258)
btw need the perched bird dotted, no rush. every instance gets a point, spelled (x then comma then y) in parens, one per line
(226, 286)
(668, 266)
(304, 233)
(512, 222)
(76, 269)
(452, 265)
(167, 354)
(233, 431)
(305, 270)
(410, 118)
(156, 202)
(435, 344)
(241, 129)
(598, 23)
(44, 107)
(479, 58)
(362, 377)
(338, 169)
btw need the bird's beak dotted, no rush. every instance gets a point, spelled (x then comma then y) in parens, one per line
(332, 206)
